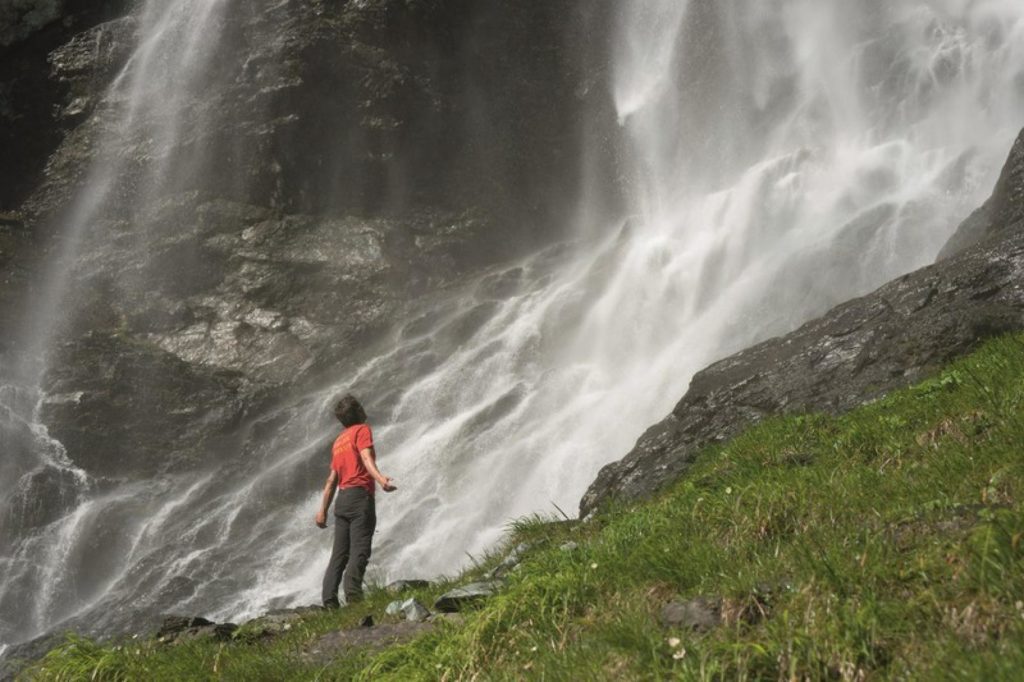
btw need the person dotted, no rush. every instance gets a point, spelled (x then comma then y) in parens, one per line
(354, 475)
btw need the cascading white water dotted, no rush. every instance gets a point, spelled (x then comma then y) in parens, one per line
(51, 512)
(783, 156)
(786, 157)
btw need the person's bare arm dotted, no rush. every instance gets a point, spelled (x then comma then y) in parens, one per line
(370, 462)
(325, 502)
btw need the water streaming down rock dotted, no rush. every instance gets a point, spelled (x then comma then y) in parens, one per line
(781, 157)
(53, 511)
(215, 256)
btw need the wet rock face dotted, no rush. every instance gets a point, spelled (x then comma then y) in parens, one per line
(31, 95)
(39, 107)
(90, 57)
(855, 353)
(314, 107)
(21, 18)
(120, 405)
(1002, 214)
(230, 286)
(338, 161)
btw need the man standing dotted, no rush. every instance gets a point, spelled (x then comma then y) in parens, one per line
(353, 473)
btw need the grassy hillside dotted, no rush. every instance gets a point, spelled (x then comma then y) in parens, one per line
(883, 544)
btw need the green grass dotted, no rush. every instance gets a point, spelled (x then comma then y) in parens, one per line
(882, 544)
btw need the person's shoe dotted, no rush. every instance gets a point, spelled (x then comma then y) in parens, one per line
(331, 604)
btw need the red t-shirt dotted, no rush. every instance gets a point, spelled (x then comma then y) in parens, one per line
(345, 459)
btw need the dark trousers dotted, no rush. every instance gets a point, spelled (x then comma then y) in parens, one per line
(355, 518)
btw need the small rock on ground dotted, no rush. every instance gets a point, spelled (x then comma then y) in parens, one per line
(511, 561)
(182, 628)
(410, 609)
(174, 625)
(415, 611)
(403, 585)
(221, 632)
(460, 597)
(701, 613)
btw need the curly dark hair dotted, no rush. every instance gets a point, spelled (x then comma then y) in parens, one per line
(349, 411)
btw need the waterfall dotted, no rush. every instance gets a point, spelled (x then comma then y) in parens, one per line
(53, 515)
(781, 157)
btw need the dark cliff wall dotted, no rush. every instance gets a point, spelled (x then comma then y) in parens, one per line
(32, 118)
(323, 108)
(337, 161)
(853, 354)
(328, 106)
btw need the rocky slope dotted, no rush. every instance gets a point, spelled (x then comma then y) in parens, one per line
(853, 354)
(1001, 215)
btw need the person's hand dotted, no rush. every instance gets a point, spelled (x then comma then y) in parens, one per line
(388, 485)
(321, 519)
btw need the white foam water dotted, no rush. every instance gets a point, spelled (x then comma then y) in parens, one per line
(784, 157)
(63, 536)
